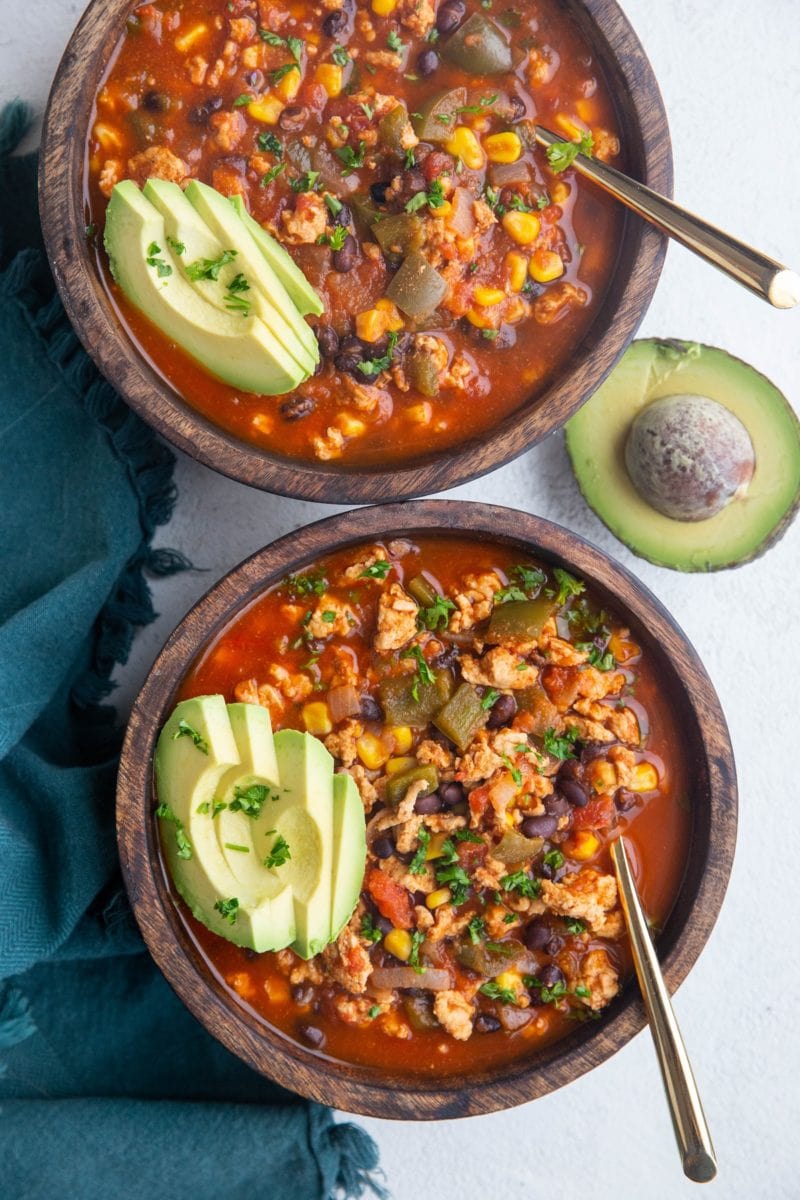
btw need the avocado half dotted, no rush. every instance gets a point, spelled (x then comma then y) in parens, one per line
(751, 522)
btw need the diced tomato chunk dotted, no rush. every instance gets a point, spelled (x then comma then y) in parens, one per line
(391, 899)
(598, 814)
(479, 800)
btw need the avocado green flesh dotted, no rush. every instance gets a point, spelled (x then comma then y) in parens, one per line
(300, 290)
(226, 225)
(244, 354)
(185, 227)
(749, 524)
(303, 901)
(349, 851)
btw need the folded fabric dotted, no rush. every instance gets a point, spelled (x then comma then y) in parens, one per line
(107, 1085)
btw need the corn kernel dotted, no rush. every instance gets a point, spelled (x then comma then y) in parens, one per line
(243, 985)
(487, 296)
(559, 191)
(263, 422)
(316, 717)
(444, 210)
(435, 846)
(479, 318)
(502, 147)
(398, 943)
(545, 266)
(464, 145)
(603, 776)
(568, 125)
(396, 766)
(107, 136)
(351, 426)
(372, 751)
(403, 737)
(370, 325)
(582, 845)
(277, 989)
(420, 414)
(623, 648)
(394, 320)
(438, 898)
(382, 8)
(508, 979)
(644, 778)
(330, 76)
(188, 39)
(516, 270)
(266, 109)
(522, 227)
(289, 86)
(586, 110)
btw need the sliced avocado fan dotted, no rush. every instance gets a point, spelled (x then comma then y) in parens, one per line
(756, 515)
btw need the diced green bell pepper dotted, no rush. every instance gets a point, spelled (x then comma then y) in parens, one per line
(399, 784)
(438, 116)
(419, 1011)
(480, 47)
(423, 374)
(398, 233)
(513, 847)
(462, 716)
(402, 707)
(417, 288)
(519, 619)
(391, 128)
(422, 590)
(489, 959)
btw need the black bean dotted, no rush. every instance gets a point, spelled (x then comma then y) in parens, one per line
(428, 804)
(536, 934)
(352, 345)
(383, 847)
(293, 118)
(570, 769)
(312, 1035)
(370, 709)
(593, 750)
(449, 656)
(577, 796)
(486, 1023)
(155, 102)
(550, 975)
(427, 62)
(345, 259)
(553, 946)
(384, 924)
(516, 108)
(546, 871)
(502, 712)
(296, 407)
(544, 826)
(348, 362)
(343, 216)
(302, 993)
(378, 190)
(334, 23)
(327, 340)
(255, 80)
(200, 114)
(556, 806)
(420, 898)
(450, 15)
(451, 794)
(625, 800)
(248, 953)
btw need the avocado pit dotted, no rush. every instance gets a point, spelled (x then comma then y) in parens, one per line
(688, 456)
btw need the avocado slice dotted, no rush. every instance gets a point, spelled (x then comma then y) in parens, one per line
(225, 224)
(349, 851)
(185, 228)
(196, 749)
(300, 290)
(247, 791)
(304, 818)
(751, 522)
(245, 354)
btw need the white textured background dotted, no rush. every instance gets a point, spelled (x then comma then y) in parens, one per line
(730, 74)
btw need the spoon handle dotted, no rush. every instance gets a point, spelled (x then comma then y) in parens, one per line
(686, 1110)
(762, 275)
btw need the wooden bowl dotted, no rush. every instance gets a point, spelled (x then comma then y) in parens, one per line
(366, 1089)
(63, 212)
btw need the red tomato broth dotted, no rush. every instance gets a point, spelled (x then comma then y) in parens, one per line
(658, 831)
(585, 227)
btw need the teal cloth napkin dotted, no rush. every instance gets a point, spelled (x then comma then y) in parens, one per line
(108, 1087)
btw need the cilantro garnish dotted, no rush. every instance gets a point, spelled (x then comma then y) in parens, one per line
(394, 43)
(489, 698)
(520, 881)
(209, 268)
(374, 366)
(516, 774)
(484, 103)
(369, 930)
(336, 239)
(306, 585)
(268, 141)
(352, 159)
(229, 909)
(307, 182)
(417, 938)
(573, 925)
(340, 56)
(280, 852)
(437, 614)
(272, 174)
(424, 673)
(563, 154)
(251, 800)
(178, 247)
(433, 197)
(560, 745)
(186, 730)
(184, 845)
(417, 864)
(163, 269)
(568, 585)
(476, 929)
(376, 570)
(495, 992)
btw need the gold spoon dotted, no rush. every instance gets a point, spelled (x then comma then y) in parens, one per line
(762, 275)
(688, 1119)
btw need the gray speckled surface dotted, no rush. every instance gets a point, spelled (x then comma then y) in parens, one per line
(731, 81)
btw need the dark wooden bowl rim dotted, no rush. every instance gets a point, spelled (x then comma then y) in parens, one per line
(366, 1089)
(64, 216)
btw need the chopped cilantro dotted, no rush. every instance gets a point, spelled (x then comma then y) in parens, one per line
(424, 673)
(186, 730)
(476, 929)
(437, 614)
(417, 864)
(453, 876)
(547, 995)
(340, 56)
(243, 100)
(281, 72)
(228, 909)
(560, 746)
(484, 103)
(251, 800)
(568, 585)
(209, 268)
(512, 592)
(280, 852)
(368, 111)
(203, 807)
(178, 247)
(495, 992)
(603, 660)
(234, 846)
(531, 578)
(516, 774)
(307, 182)
(433, 197)
(394, 43)
(163, 269)
(352, 159)
(573, 925)
(236, 303)
(333, 205)
(369, 930)
(520, 881)
(410, 159)
(336, 239)
(376, 570)
(417, 938)
(306, 585)
(554, 859)
(373, 366)
(269, 142)
(489, 698)
(272, 174)
(374, 1011)
(563, 154)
